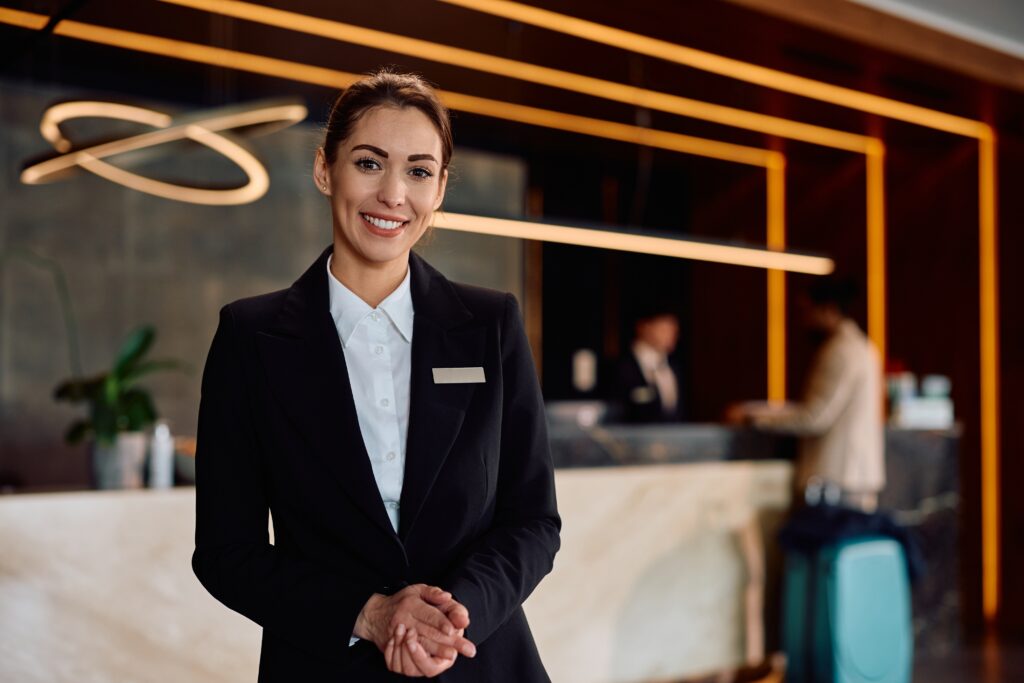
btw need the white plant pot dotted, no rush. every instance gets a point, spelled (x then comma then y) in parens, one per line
(119, 465)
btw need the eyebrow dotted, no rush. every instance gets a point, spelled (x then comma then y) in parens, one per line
(380, 152)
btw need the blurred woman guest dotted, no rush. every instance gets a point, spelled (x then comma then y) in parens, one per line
(390, 421)
(840, 416)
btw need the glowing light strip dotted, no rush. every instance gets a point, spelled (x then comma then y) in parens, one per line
(641, 244)
(500, 66)
(23, 19)
(724, 66)
(989, 314)
(776, 284)
(876, 294)
(49, 125)
(205, 132)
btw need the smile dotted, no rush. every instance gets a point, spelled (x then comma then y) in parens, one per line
(382, 223)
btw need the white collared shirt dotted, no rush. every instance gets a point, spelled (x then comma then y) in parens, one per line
(377, 343)
(655, 368)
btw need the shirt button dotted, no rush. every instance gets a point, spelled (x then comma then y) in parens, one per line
(375, 316)
(385, 403)
(390, 456)
(393, 506)
(379, 350)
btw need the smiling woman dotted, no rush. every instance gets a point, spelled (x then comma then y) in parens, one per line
(412, 515)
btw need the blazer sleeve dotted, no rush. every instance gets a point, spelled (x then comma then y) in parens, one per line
(505, 564)
(297, 599)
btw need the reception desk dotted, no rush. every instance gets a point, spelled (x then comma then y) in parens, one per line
(649, 583)
(657, 578)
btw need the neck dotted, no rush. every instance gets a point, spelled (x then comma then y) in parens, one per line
(371, 282)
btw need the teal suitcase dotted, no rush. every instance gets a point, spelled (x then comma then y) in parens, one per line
(846, 614)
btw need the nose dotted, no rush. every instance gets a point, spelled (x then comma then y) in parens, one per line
(392, 190)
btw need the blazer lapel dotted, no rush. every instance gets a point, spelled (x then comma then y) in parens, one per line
(304, 361)
(440, 339)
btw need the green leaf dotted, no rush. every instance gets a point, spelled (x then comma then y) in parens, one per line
(79, 389)
(138, 409)
(77, 432)
(134, 348)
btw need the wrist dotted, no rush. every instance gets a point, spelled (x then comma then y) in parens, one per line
(364, 626)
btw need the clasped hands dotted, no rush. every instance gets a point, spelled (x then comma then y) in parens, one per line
(420, 629)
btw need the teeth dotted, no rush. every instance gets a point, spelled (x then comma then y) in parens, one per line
(380, 223)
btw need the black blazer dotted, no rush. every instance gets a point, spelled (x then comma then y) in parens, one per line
(278, 432)
(640, 401)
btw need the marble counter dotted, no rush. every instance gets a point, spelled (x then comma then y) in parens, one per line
(649, 584)
(98, 588)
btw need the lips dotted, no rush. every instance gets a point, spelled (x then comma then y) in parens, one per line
(385, 227)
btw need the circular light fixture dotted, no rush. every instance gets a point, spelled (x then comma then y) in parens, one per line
(205, 129)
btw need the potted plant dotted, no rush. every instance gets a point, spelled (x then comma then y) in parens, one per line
(119, 412)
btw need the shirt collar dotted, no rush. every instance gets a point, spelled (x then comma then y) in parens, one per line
(348, 310)
(649, 358)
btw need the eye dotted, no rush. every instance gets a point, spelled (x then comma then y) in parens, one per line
(421, 173)
(368, 164)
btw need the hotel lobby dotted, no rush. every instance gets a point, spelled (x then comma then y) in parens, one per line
(730, 283)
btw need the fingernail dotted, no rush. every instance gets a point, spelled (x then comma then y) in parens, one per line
(401, 630)
(412, 646)
(471, 650)
(448, 629)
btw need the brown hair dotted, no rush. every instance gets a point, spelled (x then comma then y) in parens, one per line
(386, 88)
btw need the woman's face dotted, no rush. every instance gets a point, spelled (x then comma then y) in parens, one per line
(385, 184)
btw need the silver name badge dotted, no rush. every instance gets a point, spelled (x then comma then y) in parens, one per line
(458, 375)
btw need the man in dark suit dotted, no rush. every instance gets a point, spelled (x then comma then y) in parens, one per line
(647, 386)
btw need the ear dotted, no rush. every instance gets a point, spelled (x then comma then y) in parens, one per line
(441, 186)
(321, 173)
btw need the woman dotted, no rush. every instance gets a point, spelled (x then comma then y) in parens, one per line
(392, 423)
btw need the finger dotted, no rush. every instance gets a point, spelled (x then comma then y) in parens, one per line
(457, 614)
(436, 649)
(389, 655)
(462, 644)
(435, 595)
(434, 625)
(425, 663)
(409, 667)
(396, 658)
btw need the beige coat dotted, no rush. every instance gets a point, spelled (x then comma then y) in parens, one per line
(840, 417)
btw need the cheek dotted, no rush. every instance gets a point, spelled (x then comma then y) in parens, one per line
(422, 197)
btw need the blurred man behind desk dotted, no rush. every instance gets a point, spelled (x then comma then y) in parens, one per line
(647, 385)
(840, 417)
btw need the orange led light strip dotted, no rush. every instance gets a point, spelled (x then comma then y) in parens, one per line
(777, 261)
(541, 75)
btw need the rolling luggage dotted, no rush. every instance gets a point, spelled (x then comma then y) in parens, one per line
(846, 613)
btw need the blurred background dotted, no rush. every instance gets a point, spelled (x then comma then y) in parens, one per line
(882, 138)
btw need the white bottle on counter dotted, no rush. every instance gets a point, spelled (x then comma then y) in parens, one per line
(161, 457)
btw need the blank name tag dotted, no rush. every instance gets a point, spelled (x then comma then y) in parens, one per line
(458, 375)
